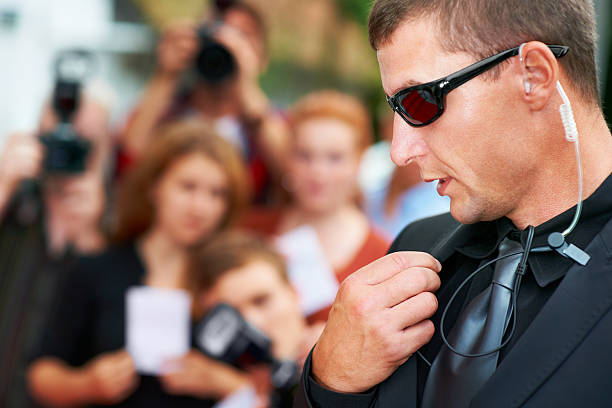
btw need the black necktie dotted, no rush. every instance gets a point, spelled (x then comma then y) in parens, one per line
(453, 379)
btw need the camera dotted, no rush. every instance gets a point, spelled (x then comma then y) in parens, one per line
(224, 335)
(65, 150)
(214, 62)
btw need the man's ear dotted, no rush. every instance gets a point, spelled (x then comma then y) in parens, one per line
(540, 72)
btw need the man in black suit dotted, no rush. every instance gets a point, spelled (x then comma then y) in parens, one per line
(492, 136)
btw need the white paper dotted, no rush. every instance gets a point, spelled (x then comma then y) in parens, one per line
(243, 398)
(309, 271)
(157, 326)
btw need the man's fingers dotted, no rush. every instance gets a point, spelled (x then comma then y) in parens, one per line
(416, 336)
(408, 283)
(391, 264)
(414, 310)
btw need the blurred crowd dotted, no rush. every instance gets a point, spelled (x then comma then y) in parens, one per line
(209, 192)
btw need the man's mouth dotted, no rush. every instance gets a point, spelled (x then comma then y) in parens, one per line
(442, 184)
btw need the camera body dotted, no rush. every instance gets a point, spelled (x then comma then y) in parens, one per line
(65, 150)
(224, 335)
(214, 63)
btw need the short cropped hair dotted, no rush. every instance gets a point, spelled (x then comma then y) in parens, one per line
(228, 251)
(485, 27)
(336, 105)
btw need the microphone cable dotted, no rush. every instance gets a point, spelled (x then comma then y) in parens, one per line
(520, 271)
(556, 240)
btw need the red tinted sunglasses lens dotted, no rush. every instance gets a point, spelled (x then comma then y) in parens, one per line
(420, 106)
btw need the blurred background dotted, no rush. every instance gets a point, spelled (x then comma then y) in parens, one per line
(313, 44)
(139, 174)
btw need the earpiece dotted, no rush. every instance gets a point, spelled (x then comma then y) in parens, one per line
(526, 83)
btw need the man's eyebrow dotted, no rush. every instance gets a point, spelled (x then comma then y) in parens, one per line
(406, 84)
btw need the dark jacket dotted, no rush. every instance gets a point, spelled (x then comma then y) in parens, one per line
(559, 361)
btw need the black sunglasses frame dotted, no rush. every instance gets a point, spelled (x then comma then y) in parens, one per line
(440, 87)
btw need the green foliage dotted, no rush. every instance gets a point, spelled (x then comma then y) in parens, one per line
(357, 10)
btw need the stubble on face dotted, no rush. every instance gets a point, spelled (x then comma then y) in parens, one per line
(476, 143)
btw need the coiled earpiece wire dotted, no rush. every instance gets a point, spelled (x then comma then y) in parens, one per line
(571, 135)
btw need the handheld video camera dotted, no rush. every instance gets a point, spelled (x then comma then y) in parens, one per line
(65, 150)
(224, 335)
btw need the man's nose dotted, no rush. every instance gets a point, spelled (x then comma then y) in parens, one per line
(407, 143)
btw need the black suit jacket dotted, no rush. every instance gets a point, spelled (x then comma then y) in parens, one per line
(562, 360)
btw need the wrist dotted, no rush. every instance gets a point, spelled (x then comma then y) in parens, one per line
(321, 376)
(88, 383)
(232, 382)
(316, 371)
(83, 386)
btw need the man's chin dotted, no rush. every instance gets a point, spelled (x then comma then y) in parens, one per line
(464, 213)
(471, 215)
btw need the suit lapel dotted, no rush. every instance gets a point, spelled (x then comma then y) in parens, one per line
(445, 247)
(583, 296)
(401, 386)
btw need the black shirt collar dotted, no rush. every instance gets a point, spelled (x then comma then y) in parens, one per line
(484, 238)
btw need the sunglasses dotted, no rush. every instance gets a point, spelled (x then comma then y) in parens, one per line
(422, 104)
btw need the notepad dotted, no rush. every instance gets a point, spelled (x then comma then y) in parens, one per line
(157, 326)
(309, 271)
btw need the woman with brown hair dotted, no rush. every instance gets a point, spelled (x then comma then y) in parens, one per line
(188, 186)
(323, 224)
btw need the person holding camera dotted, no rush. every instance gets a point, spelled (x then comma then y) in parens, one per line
(188, 186)
(48, 216)
(211, 71)
(241, 270)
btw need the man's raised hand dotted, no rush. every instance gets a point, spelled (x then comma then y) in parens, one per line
(378, 320)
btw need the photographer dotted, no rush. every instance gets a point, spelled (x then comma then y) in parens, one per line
(230, 97)
(189, 186)
(47, 218)
(241, 270)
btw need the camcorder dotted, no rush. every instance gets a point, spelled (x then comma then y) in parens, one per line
(224, 335)
(65, 150)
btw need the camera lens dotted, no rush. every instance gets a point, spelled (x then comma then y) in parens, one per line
(214, 62)
(65, 151)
